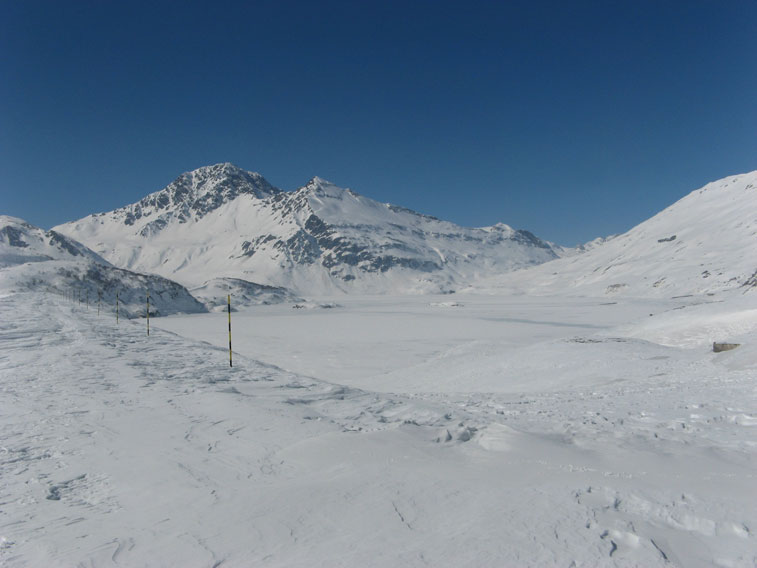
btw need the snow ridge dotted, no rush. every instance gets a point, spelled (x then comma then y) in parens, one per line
(22, 242)
(33, 259)
(704, 243)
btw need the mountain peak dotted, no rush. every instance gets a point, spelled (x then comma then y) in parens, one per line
(222, 176)
(499, 228)
(222, 168)
(319, 183)
(194, 194)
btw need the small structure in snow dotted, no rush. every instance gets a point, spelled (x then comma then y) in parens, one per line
(718, 347)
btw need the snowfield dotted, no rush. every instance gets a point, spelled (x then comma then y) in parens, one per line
(570, 414)
(455, 430)
(704, 243)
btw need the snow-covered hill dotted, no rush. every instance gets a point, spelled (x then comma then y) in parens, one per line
(220, 221)
(33, 259)
(22, 242)
(703, 244)
(213, 294)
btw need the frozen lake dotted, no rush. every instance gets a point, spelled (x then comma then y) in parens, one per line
(387, 431)
(366, 341)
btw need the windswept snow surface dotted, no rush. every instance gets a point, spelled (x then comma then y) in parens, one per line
(123, 449)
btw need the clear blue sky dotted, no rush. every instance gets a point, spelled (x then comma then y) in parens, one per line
(570, 119)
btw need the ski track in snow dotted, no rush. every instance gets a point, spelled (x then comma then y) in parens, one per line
(121, 450)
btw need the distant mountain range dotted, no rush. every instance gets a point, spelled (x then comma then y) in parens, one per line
(223, 222)
(222, 230)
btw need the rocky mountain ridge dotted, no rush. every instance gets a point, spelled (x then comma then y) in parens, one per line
(222, 222)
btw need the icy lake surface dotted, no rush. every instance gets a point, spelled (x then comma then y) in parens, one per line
(451, 430)
(392, 343)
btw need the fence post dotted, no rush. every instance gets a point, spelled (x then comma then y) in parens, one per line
(228, 305)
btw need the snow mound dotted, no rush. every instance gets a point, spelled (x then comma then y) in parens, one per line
(86, 283)
(243, 294)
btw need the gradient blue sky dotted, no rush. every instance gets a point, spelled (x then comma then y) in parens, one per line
(571, 119)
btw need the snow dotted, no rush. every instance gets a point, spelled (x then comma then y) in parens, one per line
(319, 239)
(87, 283)
(123, 449)
(214, 294)
(33, 259)
(570, 414)
(704, 243)
(21, 242)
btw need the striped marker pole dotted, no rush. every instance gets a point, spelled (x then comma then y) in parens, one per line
(116, 307)
(99, 297)
(228, 305)
(148, 313)
(87, 299)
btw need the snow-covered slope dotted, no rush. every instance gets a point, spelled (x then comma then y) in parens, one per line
(22, 242)
(32, 259)
(214, 294)
(120, 449)
(220, 221)
(564, 252)
(702, 244)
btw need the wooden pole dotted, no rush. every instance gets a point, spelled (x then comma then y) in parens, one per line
(228, 304)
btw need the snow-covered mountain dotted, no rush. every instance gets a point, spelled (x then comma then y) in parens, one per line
(564, 252)
(34, 259)
(703, 244)
(220, 221)
(22, 242)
